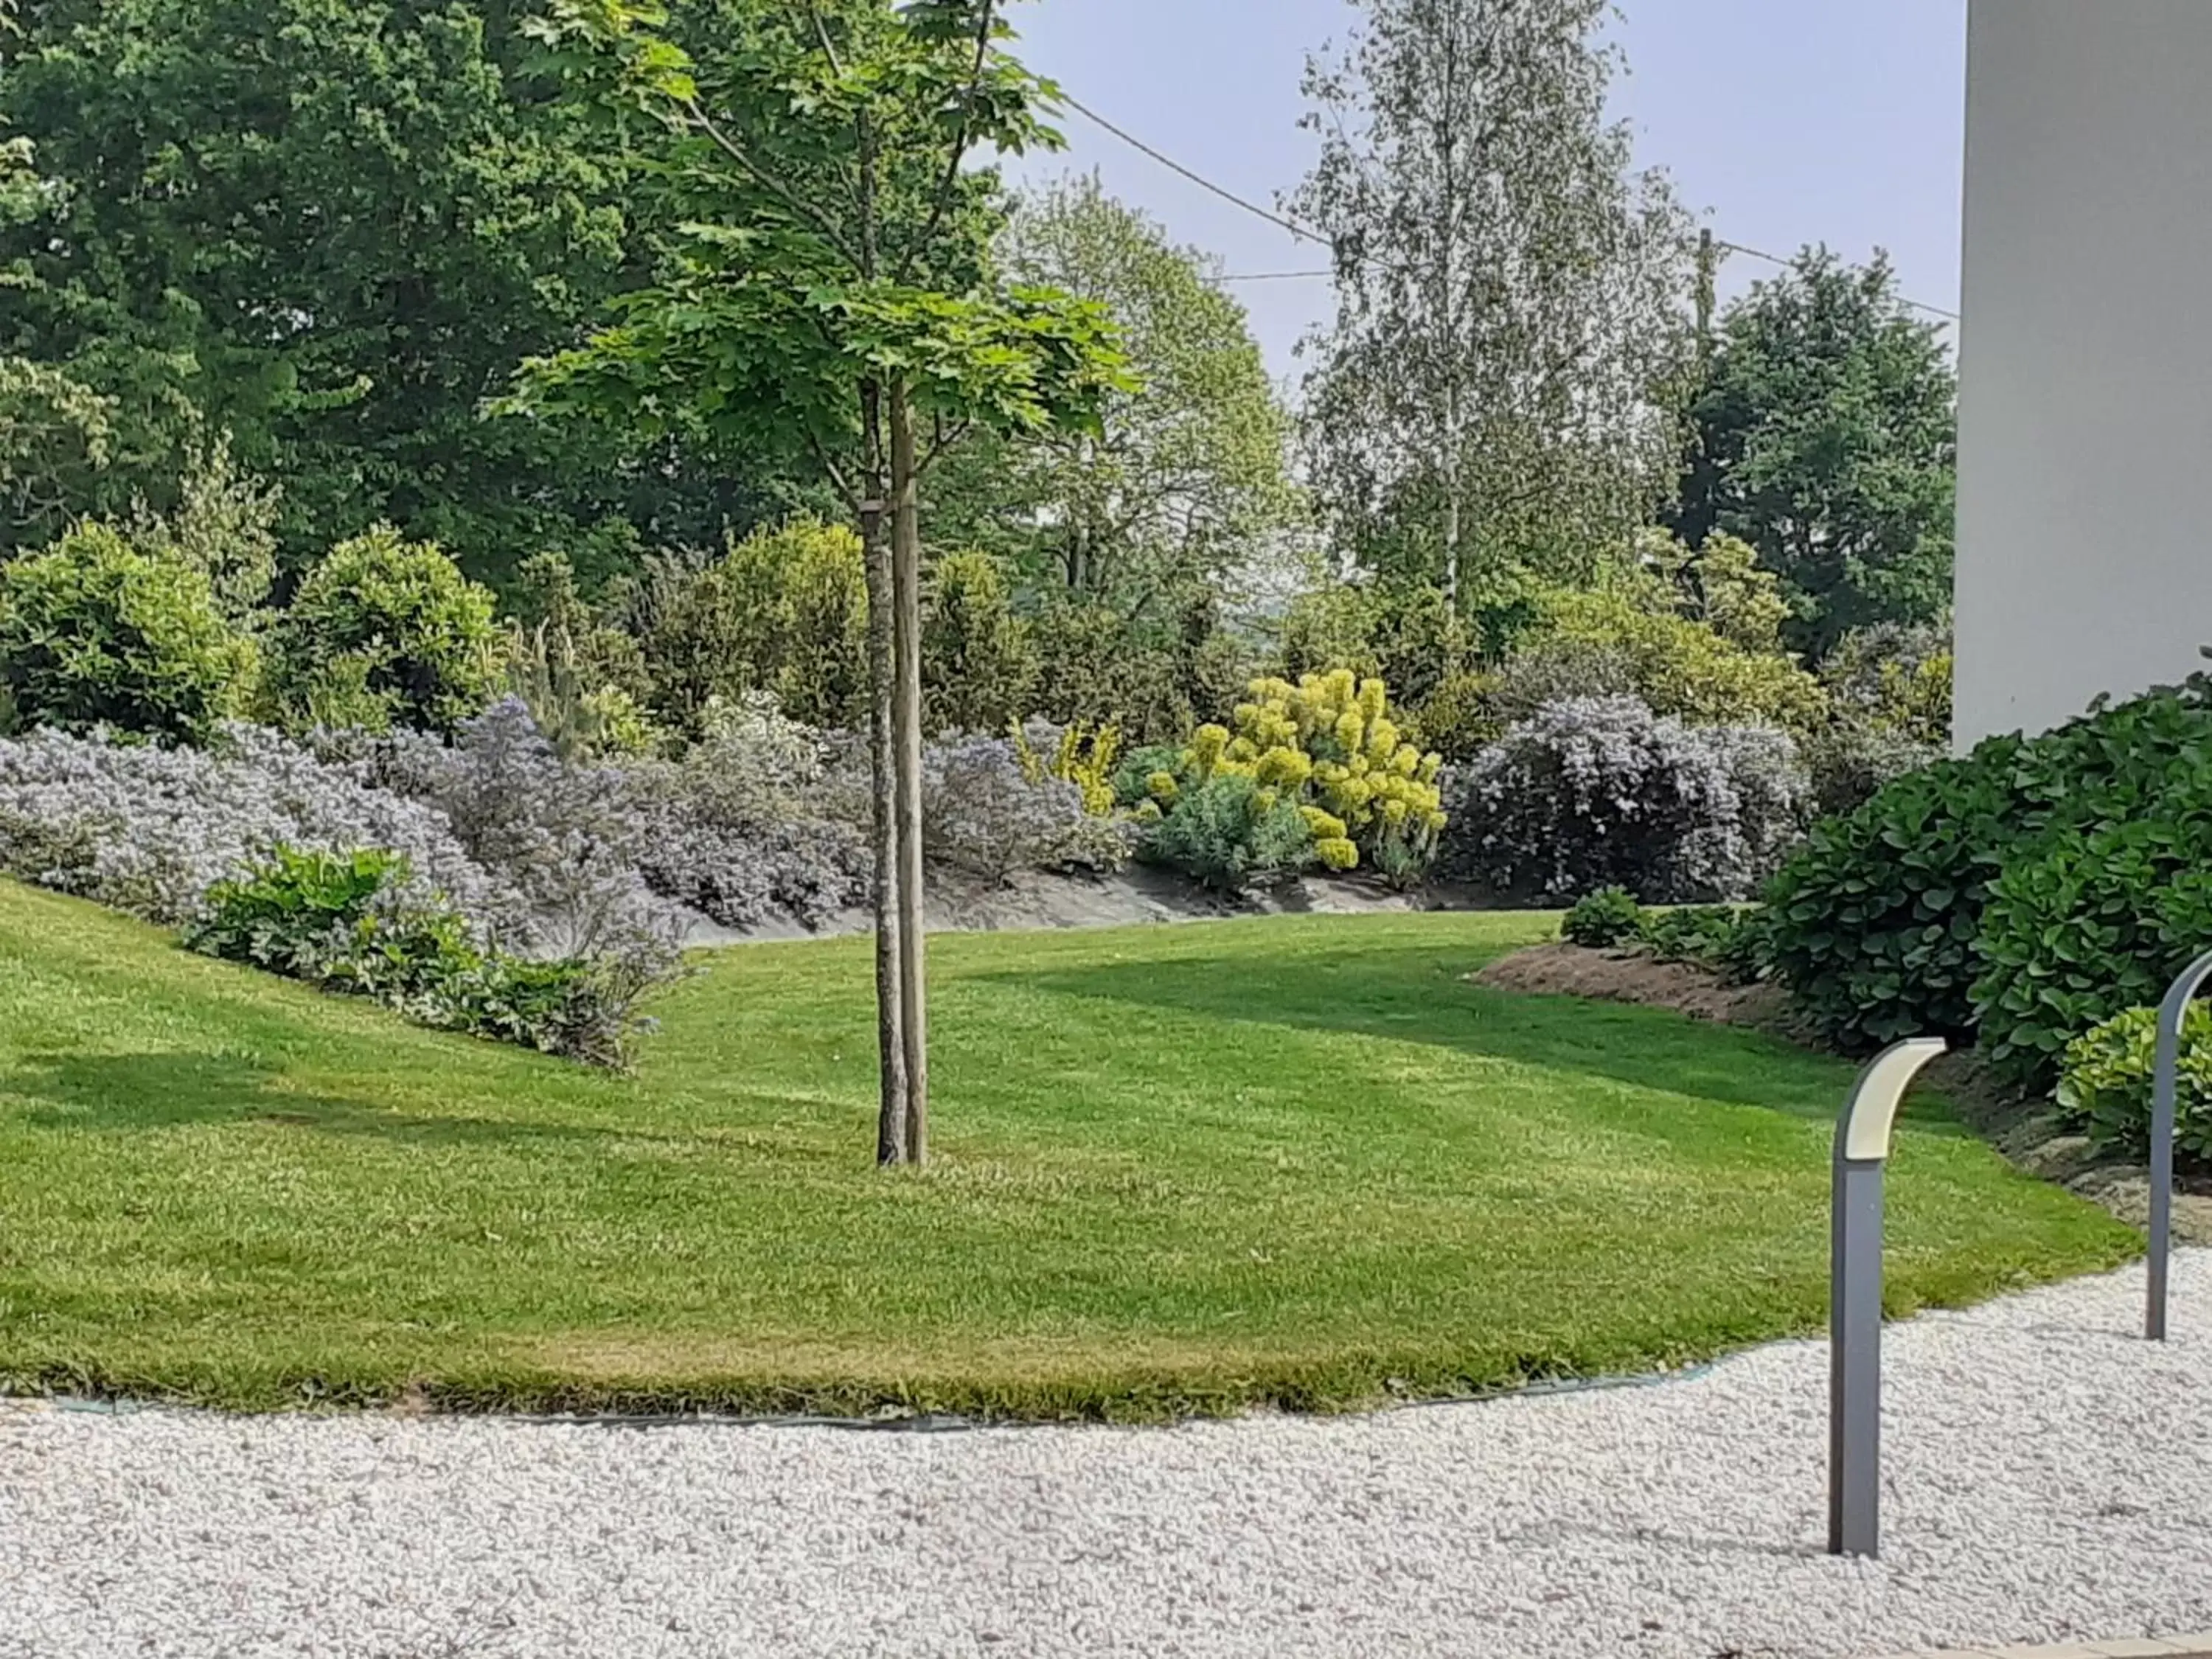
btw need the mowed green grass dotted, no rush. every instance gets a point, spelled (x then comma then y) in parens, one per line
(1293, 1161)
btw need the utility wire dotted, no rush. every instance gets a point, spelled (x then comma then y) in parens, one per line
(1174, 166)
(1305, 234)
(1777, 259)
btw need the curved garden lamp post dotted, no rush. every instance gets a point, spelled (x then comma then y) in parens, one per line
(2165, 1087)
(1855, 1296)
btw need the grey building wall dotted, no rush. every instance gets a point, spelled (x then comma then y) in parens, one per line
(2085, 560)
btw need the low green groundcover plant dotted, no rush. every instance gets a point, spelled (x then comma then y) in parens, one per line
(1733, 940)
(2106, 1087)
(1600, 921)
(359, 923)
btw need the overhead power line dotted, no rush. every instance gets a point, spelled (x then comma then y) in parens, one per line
(1306, 234)
(1727, 247)
(1203, 183)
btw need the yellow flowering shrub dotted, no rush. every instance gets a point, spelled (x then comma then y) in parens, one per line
(1330, 745)
(1082, 756)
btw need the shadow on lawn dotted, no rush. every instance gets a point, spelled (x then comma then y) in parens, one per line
(123, 1092)
(1420, 994)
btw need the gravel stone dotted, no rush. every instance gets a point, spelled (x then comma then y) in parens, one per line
(2049, 1480)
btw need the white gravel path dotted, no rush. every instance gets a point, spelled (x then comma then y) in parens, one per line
(2050, 1479)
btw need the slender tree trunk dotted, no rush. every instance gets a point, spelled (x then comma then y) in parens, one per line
(906, 605)
(1453, 461)
(892, 1126)
(1451, 542)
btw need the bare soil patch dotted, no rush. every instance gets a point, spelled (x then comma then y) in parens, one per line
(1573, 970)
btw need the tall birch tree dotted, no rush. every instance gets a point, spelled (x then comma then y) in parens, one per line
(1502, 379)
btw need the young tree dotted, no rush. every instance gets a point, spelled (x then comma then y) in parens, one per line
(1825, 434)
(1510, 296)
(829, 293)
(1188, 473)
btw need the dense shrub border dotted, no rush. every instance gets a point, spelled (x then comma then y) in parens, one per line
(96, 633)
(2020, 895)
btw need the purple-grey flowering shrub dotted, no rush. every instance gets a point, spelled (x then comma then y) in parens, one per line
(1600, 792)
(601, 850)
(762, 815)
(983, 812)
(742, 874)
(150, 830)
(569, 837)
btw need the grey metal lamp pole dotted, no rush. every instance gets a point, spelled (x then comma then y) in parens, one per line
(1863, 1136)
(2165, 1087)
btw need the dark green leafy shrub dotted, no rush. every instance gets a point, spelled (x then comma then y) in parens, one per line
(1460, 716)
(1893, 677)
(1875, 915)
(384, 632)
(2105, 1086)
(356, 922)
(1850, 764)
(93, 632)
(1603, 919)
(1155, 677)
(2088, 923)
(783, 610)
(1230, 832)
(1733, 940)
(1880, 920)
(978, 664)
(300, 914)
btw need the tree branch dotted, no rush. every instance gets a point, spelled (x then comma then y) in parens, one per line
(768, 181)
(961, 139)
(821, 34)
(834, 473)
(946, 439)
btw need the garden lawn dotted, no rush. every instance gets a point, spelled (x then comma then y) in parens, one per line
(1293, 1160)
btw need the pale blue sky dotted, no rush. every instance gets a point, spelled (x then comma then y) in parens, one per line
(1784, 122)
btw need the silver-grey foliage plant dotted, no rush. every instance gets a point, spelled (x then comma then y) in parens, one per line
(983, 813)
(1600, 792)
(149, 830)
